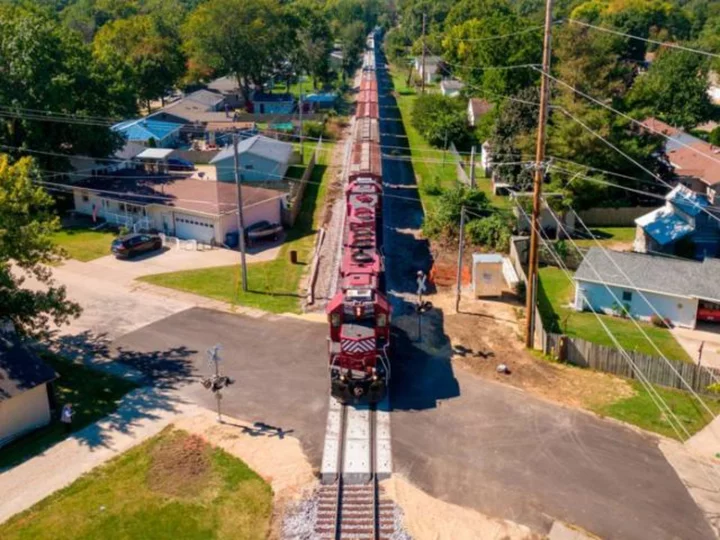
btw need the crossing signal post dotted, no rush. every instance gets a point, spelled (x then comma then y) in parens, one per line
(422, 306)
(217, 382)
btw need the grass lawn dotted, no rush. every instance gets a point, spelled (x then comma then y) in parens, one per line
(555, 293)
(431, 176)
(609, 236)
(273, 285)
(173, 486)
(641, 411)
(83, 244)
(93, 396)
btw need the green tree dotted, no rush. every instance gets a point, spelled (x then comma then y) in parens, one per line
(445, 220)
(674, 89)
(237, 37)
(352, 38)
(440, 119)
(26, 249)
(314, 40)
(45, 67)
(153, 59)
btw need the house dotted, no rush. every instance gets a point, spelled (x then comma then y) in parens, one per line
(696, 163)
(679, 290)
(177, 205)
(476, 108)
(681, 227)
(486, 158)
(228, 87)
(199, 107)
(149, 132)
(321, 101)
(451, 87)
(260, 159)
(431, 70)
(25, 390)
(262, 103)
(714, 87)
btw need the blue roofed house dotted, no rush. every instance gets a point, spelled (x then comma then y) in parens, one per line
(262, 103)
(260, 159)
(682, 227)
(321, 101)
(680, 290)
(143, 130)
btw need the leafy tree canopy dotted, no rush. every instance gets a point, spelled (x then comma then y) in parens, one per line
(27, 222)
(440, 119)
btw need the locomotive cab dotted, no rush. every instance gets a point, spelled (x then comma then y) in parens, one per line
(359, 338)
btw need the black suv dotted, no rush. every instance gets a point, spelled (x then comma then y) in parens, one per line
(134, 244)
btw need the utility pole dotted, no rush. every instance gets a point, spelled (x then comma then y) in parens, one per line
(472, 167)
(241, 221)
(422, 84)
(302, 153)
(461, 250)
(537, 188)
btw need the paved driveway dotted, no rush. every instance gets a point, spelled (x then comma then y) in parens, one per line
(706, 334)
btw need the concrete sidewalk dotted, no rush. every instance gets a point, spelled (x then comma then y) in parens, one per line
(142, 414)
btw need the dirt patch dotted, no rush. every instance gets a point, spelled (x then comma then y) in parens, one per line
(425, 517)
(179, 465)
(491, 332)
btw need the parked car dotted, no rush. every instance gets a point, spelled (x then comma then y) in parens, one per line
(134, 244)
(179, 164)
(263, 230)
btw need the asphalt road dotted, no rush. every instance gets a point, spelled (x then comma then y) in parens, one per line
(493, 448)
(278, 364)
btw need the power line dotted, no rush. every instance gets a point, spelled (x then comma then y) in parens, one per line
(647, 40)
(627, 117)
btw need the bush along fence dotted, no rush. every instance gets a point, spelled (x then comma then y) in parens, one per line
(580, 352)
(297, 191)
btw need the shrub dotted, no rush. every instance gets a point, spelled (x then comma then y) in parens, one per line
(493, 232)
(521, 291)
(714, 137)
(445, 219)
(658, 321)
(440, 119)
(314, 130)
(713, 388)
(432, 186)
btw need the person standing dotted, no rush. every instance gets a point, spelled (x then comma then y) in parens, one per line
(66, 417)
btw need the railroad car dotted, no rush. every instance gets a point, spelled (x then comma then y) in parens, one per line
(359, 314)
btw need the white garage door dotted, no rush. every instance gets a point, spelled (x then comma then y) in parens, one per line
(189, 227)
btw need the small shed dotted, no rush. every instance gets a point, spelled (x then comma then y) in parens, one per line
(487, 273)
(24, 393)
(155, 160)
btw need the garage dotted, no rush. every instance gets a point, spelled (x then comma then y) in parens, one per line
(189, 227)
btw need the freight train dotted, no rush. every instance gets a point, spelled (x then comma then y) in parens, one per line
(359, 314)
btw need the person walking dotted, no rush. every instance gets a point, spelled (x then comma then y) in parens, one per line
(66, 417)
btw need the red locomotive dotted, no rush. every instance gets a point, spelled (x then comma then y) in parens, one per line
(359, 314)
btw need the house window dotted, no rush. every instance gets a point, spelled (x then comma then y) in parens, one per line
(627, 296)
(85, 197)
(249, 167)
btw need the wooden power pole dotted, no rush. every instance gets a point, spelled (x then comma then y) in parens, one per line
(422, 78)
(537, 185)
(241, 220)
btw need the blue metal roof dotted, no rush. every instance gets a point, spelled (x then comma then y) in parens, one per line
(143, 129)
(664, 226)
(690, 202)
(321, 98)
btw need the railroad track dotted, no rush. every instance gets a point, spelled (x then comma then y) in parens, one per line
(353, 507)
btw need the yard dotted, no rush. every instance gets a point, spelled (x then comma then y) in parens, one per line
(93, 396)
(84, 244)
(173, 486)
(432, 174)
(610, 237)
(273, 285)
(642, 411)
(555, 293)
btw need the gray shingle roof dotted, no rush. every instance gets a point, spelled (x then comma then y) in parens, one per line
(259, 145)
(20, 369)
(651, 273)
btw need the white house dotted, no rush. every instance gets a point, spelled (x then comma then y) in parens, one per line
(188, 208)
(432, 67)
(477, 108)
(260, 159)
(673, 287)
(24, 392)
(451, 87)
(486, 158)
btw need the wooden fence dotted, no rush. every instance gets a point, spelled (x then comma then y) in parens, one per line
(583, 353)
(460, 165)
(614, 217)
(297, 191)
